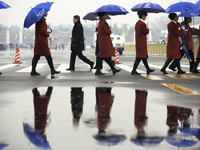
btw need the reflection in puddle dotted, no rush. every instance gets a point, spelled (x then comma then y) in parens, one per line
(96, 118)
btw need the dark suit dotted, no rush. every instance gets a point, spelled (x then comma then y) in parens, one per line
(77, 45)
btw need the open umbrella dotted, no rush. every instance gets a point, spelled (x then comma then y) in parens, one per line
(147, 141)
(190, 13)
(92, 17)
(3, 145)
(3, 5)
(37, 13)
(179, 142)
(148, 7)
(198, 3)
(181, 7)
(112, 10)
(35, 137)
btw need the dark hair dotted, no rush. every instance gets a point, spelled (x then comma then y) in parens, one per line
(77, 17)
(185, 18)
(141, 13)
(101, 14)
(172, 16)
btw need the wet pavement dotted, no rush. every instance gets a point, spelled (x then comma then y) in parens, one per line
(97, 118)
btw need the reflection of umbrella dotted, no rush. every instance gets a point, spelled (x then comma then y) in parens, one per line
(198, 136)
(3, 145)
(91, 16)
(37, 13)
(179, 142)
(181, 7)
(35, 137)
(3, 5)
(190, 131)
(112, 139)
(147, 141)
(112, 10)
(148, 7)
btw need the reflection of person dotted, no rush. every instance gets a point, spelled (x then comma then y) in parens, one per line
(105, 45)
(41, 47)
(173, 45)
(140, 120)
(187, 42)
(141, 43)
(77, 44)
(77, 96)
(40, 108)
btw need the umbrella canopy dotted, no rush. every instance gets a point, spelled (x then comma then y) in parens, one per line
(190, 131)
(37, 13)
(147, 141)
(3, 145)
(179, 142)
(198, 136)
(112, 139)
(91, 16)
(198, 3)
(3, 5)
(148, 7)
(189, 14)
(112, 10)
(181, 7)
(35, 137)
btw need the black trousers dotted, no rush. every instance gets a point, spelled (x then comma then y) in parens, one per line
(107, 60)
(80, 56)
(37, 57)
(191, 53)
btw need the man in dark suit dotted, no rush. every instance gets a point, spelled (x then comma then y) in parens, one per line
(77, 44)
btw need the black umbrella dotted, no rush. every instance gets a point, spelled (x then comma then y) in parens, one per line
(92, 17)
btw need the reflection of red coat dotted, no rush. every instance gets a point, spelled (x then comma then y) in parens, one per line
(198, 53)
(173, 115)
(105, 43)
(104, 107)
(41, 42)
(173, 46)
(140, 109)
(40, 107)
(141, 39)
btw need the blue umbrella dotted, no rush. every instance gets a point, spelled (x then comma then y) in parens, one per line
(198, 136)
(37, 13)
(3, 5)
(190, 131)
(35, 137)
(91, 16)
(189, 14)
(3, 145)
(198, 3)
(179, 142)
(148, 7)
(112, 10)
(147, 141)
(181, 7)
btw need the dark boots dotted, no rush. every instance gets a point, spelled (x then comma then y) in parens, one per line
(34, 64)
(147, 66)
(50, 63)
(194, 70)
(110, 63)
(167, 62)
(134, 72)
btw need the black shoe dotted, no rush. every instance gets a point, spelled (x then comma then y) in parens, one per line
(91, 66)
(116, 71)
(54, 72)
(150, 70)
(173, 69)
(163, 71)
(181, 72)
(0, 73)
(99, 73)
(195, 71)
(135, 73)
(70, 69)
(34, 74)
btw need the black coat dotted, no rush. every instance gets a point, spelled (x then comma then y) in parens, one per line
(77, 41)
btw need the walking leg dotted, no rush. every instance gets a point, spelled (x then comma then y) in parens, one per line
(191, 53)
(167, 62)
(109, 62)
(72, 61)
(50, 63)
(194, 70)
(137, 62)
(86, 60)
(147, 66)
(34, 65)
(99, 62)
(180, 71)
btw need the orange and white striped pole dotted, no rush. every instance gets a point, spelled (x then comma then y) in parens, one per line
(116, 59)
(17, 57)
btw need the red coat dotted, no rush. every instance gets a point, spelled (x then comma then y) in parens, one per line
(141, 39)
(190, 43)
(105, 43)
(198, 53)
(173, 45)
(41, 39)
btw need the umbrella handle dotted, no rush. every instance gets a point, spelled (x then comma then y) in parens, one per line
(50, 30)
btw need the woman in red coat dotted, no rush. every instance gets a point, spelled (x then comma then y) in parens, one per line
(141, 43)
(173, 45)
(41, 46)
(106, 50)
(194, 70)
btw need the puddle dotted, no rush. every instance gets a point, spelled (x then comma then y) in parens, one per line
(96, 118)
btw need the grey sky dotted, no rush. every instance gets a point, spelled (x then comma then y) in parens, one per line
(63, 10)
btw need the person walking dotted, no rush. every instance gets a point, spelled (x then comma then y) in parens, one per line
(77, 45)
(41, 47)
(194, 70)
(106, 50)
(141, 43)
(173, 45)
(187, 42)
